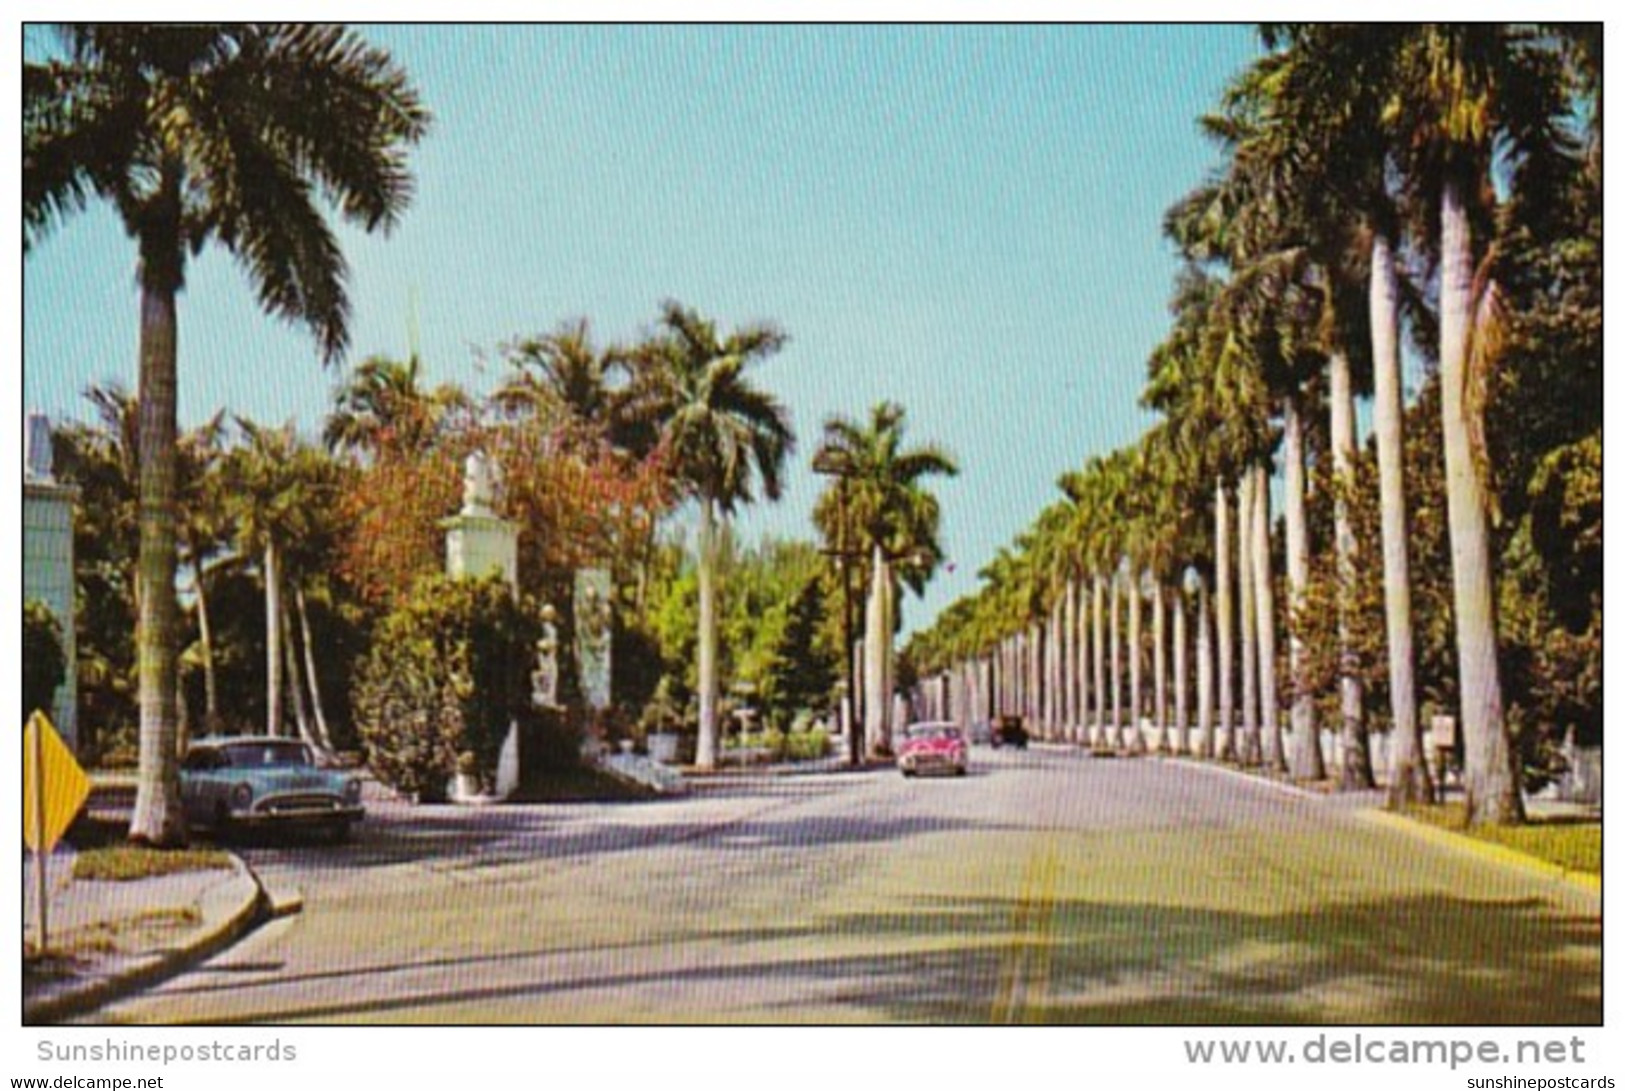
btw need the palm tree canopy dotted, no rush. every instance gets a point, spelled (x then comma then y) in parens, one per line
(566, 379)
(725, 438)
(382, 406)
(224, 133)
(886, 503)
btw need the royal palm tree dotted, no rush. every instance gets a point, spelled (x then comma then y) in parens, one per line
(1331, 102)
(199, 134)
(382, 407)
(201, 503)
(281, 490)
(880, 491)
(1468, 100)
(725, 440)
(1452, 110)
(566, 376)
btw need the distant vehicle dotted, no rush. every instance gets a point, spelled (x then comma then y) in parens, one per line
(933, 747)
(1010, 732)
(233, 783)
(981, 733)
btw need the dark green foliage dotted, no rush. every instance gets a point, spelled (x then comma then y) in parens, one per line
(45, 664)
(636, 669)
(99, 462)
(1551, 604)
(805, 665)
(448, 673)
(806, 745)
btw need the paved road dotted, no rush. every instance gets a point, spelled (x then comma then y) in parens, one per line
(1047, 886)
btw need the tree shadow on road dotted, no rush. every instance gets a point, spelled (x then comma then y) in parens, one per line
(1412, 960)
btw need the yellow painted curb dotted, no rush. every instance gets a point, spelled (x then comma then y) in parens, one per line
(1486, 850)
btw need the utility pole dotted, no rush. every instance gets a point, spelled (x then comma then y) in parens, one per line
(843, 558)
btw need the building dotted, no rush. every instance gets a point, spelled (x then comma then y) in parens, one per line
(48, 562)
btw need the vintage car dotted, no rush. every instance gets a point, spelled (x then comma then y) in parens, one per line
(246, 782)
(932, 747)
(1010, 732)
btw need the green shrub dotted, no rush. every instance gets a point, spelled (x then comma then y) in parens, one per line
(807, 745)
(45, 664)
(447, 674)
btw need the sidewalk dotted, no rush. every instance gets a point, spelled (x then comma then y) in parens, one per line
(110, 938)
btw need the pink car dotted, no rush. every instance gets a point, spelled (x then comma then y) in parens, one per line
(933, 747)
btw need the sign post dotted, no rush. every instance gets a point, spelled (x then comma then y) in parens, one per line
(54, 788)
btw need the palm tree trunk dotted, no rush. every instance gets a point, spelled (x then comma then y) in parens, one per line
(1058, 670)
(888, 671)
(705, 752)
(1226, 624)
(1136, 664)
(1051, 662)
(323, 735)
(1408, 777)
(205, 629)
(1001, 681)
(1306, 761)
(1248, 749)
(1182, 721)
(1204, 675)
(1493, 793)
(1098, 736)
(1269, 705)
(157, 818)
(1115, 737)
(273, 642)
(1080, 661)
(294, 684)
(1069, 662)
(1159, 666)
(876, 640)
(1355, 772)
(1035, 671)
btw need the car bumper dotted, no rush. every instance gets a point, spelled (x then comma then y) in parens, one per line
(931, 763)
(302, 815)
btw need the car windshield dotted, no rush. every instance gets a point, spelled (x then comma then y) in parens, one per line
(932, 731)
(248, 755)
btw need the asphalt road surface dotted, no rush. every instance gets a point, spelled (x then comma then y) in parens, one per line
(1047, 886)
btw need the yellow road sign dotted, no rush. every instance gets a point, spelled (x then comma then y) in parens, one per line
(65, 786)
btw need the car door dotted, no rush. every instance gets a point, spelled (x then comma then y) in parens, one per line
(197, 777)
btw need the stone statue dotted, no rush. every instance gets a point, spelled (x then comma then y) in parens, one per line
(482, 478)
(594, 624)
(544, 680)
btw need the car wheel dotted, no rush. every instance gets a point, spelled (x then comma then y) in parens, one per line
(959, 771)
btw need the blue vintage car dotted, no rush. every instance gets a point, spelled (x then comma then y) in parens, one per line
(243, 782)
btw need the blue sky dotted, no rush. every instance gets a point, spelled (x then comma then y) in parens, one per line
(965, 220)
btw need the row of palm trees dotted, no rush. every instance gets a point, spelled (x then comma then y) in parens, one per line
(237, 135)
(224, 135)
(1363, 168)
(246, 495)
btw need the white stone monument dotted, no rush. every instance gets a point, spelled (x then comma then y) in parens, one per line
(48, 562)
(480, 542)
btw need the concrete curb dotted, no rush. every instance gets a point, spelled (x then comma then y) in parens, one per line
(1484, 850)
(1242, 774)
(228, 911)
